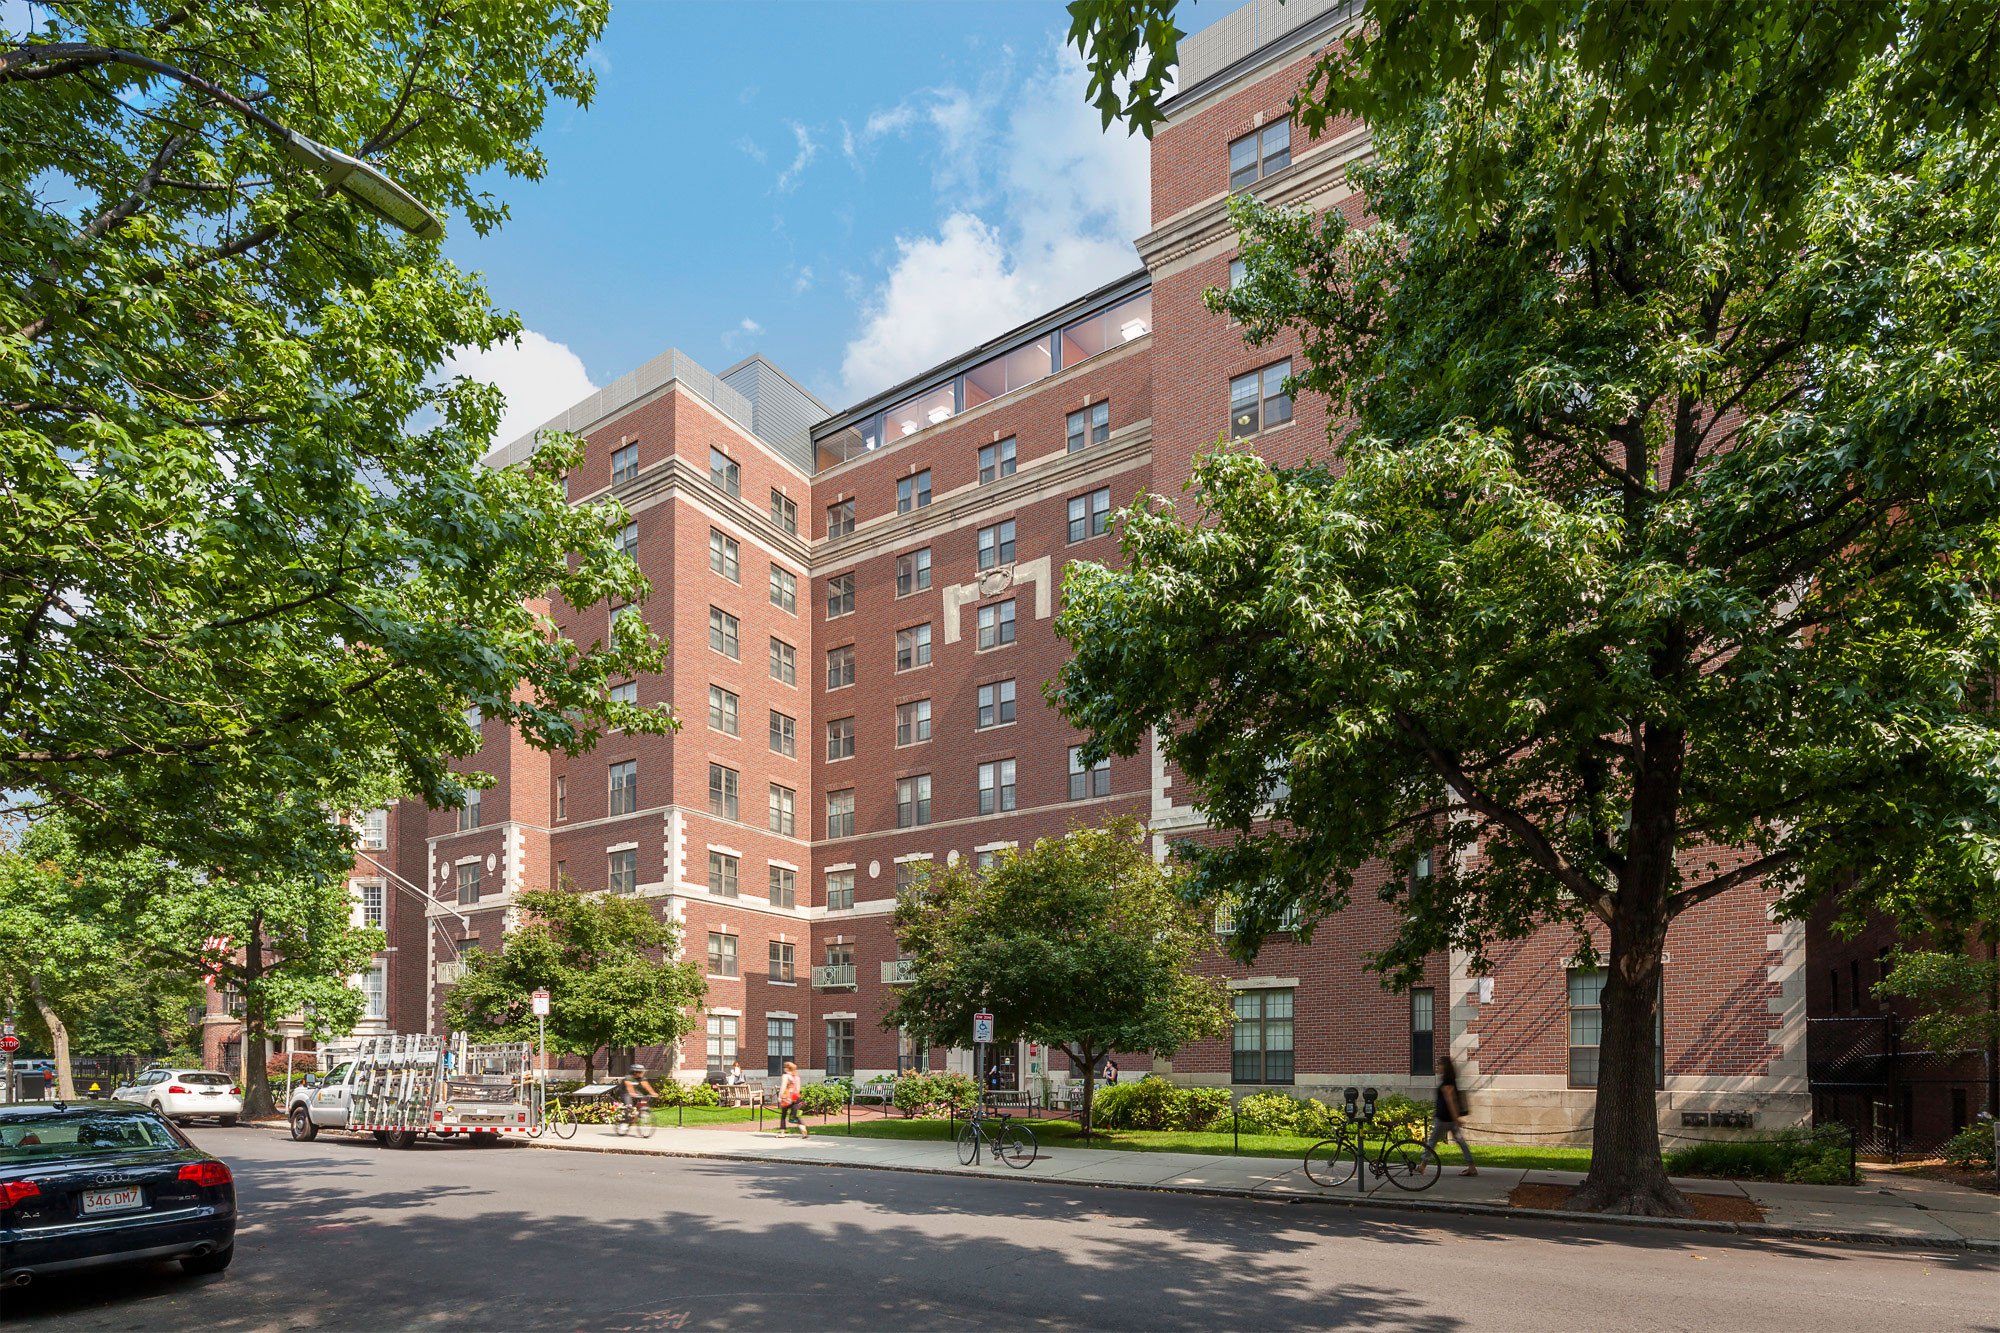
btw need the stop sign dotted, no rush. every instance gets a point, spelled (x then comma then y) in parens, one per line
(10, 1043)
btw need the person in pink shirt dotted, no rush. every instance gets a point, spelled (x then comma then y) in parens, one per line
(788, 1100)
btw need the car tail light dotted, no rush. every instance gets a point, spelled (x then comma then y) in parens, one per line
(13, 1191)
(177, 1088)
(236, 1092)
(207, 1173)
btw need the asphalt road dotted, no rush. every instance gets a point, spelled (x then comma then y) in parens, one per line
(342, 1234)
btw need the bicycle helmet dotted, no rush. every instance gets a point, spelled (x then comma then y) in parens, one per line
(637, 1071)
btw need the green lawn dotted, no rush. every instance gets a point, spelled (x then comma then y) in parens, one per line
(1066, 1133)
(692, 1116)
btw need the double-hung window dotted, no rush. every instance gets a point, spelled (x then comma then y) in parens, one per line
(1423, 1031)
(780, 1034)
(724, 711)
(996, 703)
(913, 801)
(996, 624)
(725, 555)
(784, 512)
(913, 722)
(723, 632)
(1261, 1040)
(840, 667)
(784, 887)
(622, 871)
(784, 810)
(839, 1047)
(839, 890)
(840, 813)
(784, 662)
(996, 786)
(784, 735)
(913, 572)
(721, 961)
(784, 961)
(722, 874)
(1090, 515)
(1090, 426)
(1259, 153)
(996, 545)
(784, 589)
(839, 596)
(1586, 1029)
(1258, 401)
(996, 460)
(840, 518)
(913, 492)
(721, 1040)
(468, 883)
(1092, 781)
(913, 647)
(371, 906)
(723, 786)
(624, 463)
(840, 738)
(374, 830)
(628, 540)
(724, 473)
(468, 814)
(624, 787)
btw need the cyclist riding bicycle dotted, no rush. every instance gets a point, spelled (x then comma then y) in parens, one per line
(631, 1088)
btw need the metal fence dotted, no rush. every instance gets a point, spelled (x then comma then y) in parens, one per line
(1897, 1101)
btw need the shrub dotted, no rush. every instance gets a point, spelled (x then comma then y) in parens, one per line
(935, 1094)
(675, 1093)
(825, 1098)
(303, 1062)
(1971, 1148)
(1154, 1103)
(1804, 1156)
(594, 1113)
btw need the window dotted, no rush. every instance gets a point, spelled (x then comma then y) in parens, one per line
(784, 590)
(913, 572)
(839, 1047)
(784, 961)
(722, 471)
(722, 870)
(371, 906)
(996, 624)
(912, 1056)
(1239, 272)
(840, 667)
(784, 662)
(913, 647)
(784, 887)
(562, 796)
(562, 873)
(996, 545)
(996, 460)
(724, 711)
(906, 875)
(1833, 979)
(1090, 426)
(1093, 781)
(624, 782)
(722, 632)
(984, 861)
(468, 814)
(375, 830)
(621, 871)
(721, 1040)
(840, 814)
(784, 735)
(1259, 153)
(1258, 401)
(913, 801)
(913, 492)
(996, 787)
(840, 738)
(1423, 1031)
(721, 956)
(784, 513)
(840, 518)
(779, 1035)
(839, 596)
(1090, 515)
(628, 693)
(724, 555)
(996, 703)
(624, 464)
(913, 722)
(1586, 1029)
(474, 718)
(628, 540)
(839, 890)
(722, 791)
(1261, 1042)
(784, 810)
(375, 991)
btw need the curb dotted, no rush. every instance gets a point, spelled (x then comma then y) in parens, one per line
(1754, 1230)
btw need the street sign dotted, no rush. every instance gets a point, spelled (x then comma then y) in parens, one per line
(6, 1029)
(982, 1027)
(10, 1042)
(541, 1002)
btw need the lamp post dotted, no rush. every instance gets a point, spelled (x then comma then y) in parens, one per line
(359, 181)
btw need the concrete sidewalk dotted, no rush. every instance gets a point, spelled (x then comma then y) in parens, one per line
(1905, 1212)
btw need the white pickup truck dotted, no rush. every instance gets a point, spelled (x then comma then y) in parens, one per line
(399, 1088)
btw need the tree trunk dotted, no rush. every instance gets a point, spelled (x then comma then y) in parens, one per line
(1088, 1063)
(58, 1039)
(257, 1103)
(1626, 1172)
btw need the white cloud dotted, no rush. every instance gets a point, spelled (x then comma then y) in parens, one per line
(1044, 206)
(751, 327)
(539, 376)
(748, 147)
(802, 282)
(807, 151)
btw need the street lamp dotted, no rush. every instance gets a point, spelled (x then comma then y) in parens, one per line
(360, 181)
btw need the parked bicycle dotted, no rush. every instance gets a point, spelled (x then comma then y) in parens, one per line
(1401, 1158)
(636, 1117)
(1011, 1143)
(558, 1117)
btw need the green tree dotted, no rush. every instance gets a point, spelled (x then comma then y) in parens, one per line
(235, 570)
(1643, 568)
(1957, 995)
(610, 968)
(1083, 942)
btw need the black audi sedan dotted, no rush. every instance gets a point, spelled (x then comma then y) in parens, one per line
(88, 1184)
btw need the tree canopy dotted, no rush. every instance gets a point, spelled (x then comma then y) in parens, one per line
(608, 964)
(1083, 942)
(1641, 566)
(250, 546)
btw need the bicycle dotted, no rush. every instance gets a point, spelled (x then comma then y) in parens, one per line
(557, 1118)
(1403, 1160)
(1014, 1144)
(636, 1117)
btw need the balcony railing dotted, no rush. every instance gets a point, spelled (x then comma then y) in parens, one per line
(834, 978)
(900, 972)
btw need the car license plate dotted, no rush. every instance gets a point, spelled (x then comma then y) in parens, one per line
(113, 1201)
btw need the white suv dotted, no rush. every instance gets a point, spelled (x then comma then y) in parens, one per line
(182, 1094)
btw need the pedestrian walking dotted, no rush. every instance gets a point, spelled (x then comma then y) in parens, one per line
(788, 1100)
(1449, 1117)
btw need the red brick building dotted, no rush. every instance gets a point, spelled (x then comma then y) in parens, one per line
(860, 606)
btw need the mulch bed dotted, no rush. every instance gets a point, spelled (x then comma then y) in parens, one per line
(1980, 1179)
(1707, 1207)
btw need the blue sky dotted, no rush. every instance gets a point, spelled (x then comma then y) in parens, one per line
(856, 190)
